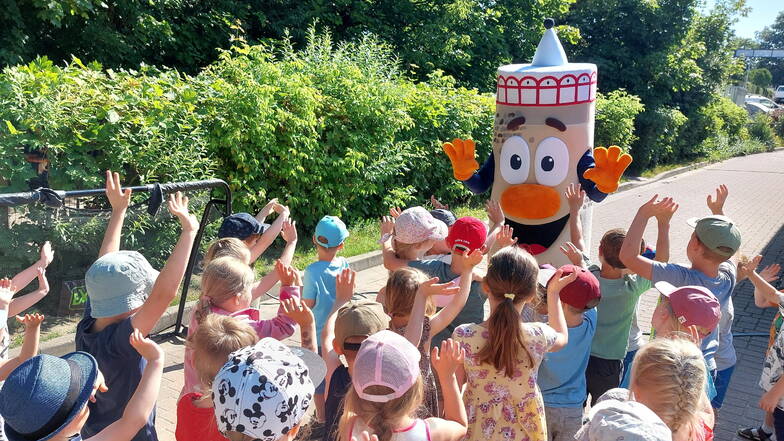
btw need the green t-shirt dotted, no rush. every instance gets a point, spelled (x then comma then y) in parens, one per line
(615, 311)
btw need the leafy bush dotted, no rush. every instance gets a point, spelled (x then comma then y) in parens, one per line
(657, 130)
(761, 129)
(615, 116)
(722, 148)
(720, 118)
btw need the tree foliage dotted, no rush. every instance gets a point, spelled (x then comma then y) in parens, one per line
(772, 37)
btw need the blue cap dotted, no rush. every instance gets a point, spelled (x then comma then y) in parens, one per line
(241, 226)
(45, 393)
(119, 282)
(332, 230)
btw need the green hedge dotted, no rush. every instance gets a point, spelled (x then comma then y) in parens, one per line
(615, 115)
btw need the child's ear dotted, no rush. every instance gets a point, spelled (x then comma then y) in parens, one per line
(337, 347)
(340, 247)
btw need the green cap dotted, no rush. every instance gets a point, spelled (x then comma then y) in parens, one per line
(718, 233)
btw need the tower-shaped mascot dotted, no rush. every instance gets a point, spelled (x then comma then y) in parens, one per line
(543, 141)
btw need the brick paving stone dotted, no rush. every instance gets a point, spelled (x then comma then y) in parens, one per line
(755, 204)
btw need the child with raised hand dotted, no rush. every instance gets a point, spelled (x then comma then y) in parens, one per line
(715, 240)
(621, 291)
(47, 397)
(32, 324)
(503, 354)
(412, 234)
(349, 324)
(252, 231)
(387, 390)
(21, 280)
(126, 293)
(217, 337)
(226, 290)
(409, 303)
(264, 392)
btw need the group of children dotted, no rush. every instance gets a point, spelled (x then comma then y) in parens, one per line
(425, 360)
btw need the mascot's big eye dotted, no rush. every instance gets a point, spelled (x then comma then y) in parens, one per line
(515, 160)
(552, 162)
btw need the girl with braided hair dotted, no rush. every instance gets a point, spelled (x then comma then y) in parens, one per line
(503, 354)
(669, 377)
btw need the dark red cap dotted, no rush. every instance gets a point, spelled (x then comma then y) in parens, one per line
(584, 292)
(467, 233)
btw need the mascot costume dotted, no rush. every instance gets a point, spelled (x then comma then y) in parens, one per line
(542, 143)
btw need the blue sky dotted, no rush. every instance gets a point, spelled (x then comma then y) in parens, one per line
(763, 13)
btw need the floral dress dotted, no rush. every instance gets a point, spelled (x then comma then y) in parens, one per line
(498, 407)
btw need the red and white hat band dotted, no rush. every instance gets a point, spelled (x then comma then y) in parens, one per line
(550, 90)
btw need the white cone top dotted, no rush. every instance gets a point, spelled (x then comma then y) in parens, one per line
(549, 52)
(550, 80)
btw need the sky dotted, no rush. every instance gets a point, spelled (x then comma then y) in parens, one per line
(763, 13)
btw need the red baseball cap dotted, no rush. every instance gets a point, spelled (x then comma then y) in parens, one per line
(584, 292)
(692, 305)
(467, 233)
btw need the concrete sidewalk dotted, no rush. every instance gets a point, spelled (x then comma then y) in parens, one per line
(755, 204)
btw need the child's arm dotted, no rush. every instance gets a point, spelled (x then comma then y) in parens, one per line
(303, 316)
(502, 239)
(21, 280)
(716, 206)
(555, 315)
(165, 288)
(445, 362)
(573, 253)
(266, 283)
(446, 315)
(142, 402)
(630, 250)
(119, 200)
(770, 399)
(765, 294)
(663, 213)
(495, 215)
(261, 216)
(272, 232)
(20, 304)
(32, 323)
(426, 289)
(575, 196)
(344, 291)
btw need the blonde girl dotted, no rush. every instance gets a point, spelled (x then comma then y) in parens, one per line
(668, 377)
(217, 337)
(409, 304)
(227, 247)
(386, 391)
(410, 236)
(226, 290)
(502, 354)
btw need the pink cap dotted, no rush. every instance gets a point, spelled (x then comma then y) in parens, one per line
(385, 359)
(415, 225)
(692, 305)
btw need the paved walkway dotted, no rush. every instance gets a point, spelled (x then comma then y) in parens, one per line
(755, 203)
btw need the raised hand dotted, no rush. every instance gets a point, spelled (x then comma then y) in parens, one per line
(395, 212)
(431, 287)
(664, 210)
(716, 205)
(437, 204)
(462, 155)
(280, 209)
(178, 207)
(145, 347)
(47, 254)
(268, 208)
(297, 311)
(505, 238)
(494, 212)
(770, 273)
(610, 165)
(387, 226)
(572, 253)
(287, 274)
(575, 196)
(344, 285)
(446, 360)
(43, 282)
(118, 198)
(471, 259)
(289, 231)
(31, 321)
(559, 281)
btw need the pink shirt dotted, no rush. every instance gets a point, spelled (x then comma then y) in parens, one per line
(279, 328)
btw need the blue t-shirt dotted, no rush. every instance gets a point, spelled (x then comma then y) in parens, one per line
(122, 369)
(562, 374)
(721, 286)
(319, 284)
(474, 309)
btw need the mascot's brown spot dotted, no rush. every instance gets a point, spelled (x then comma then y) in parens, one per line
(515, 123)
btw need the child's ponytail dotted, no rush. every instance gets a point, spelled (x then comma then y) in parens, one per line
(223, 279)
(511, 280)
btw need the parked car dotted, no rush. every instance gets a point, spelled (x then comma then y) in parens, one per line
(778, 95)
(755, 108)
(767, 102)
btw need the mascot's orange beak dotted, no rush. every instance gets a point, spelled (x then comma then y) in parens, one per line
(530, 201)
